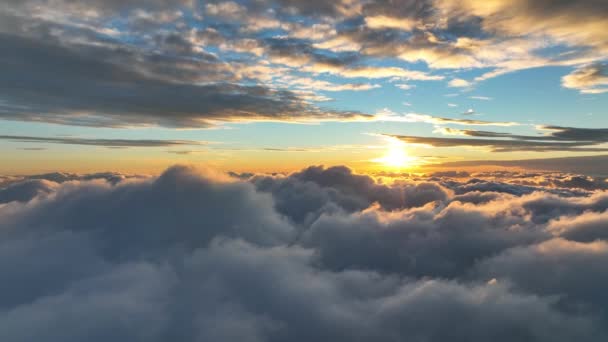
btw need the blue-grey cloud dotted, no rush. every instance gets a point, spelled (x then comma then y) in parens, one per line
(99, 142)
(305, 256)
(524, 143)
(62, 83)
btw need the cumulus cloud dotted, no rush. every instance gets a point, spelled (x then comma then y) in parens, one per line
(589, 79)
(320, 254)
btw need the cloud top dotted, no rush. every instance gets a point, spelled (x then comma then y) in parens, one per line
(320, 254)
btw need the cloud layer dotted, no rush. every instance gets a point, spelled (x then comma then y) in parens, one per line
(188, 64)
(321, 254)
(558, 139)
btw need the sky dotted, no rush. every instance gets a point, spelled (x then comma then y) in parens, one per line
(278, 85)
(290, 170)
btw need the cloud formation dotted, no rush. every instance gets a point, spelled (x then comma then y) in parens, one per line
(99, 142)
(465, 122)
(183, 64)
(320, 254)
(130, 88)
(589, 79)
(557, 139)
(593, 165)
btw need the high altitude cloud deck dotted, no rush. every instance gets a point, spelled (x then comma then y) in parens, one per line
(321, 254)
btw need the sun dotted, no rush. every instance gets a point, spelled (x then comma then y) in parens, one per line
(396, 156)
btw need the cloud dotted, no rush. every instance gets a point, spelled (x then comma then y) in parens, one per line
(483, 98)
(32, 149)
(563, 264)
(556, 133)
(574, 133)
(302, 54)
(459, 83)
(96, 92)
(305, 256)
(384, 22)
(558, 139)
(404, 86)
(589, 79)
(498, 145)
(561, 20)
(242, 62)
(26, 190)
(439, 120)
(587, 227)
(246, 43)
(304, 195)
(587, 165)
(100, 142)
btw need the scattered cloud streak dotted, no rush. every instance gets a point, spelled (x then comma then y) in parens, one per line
(498, 145)
(559, 139)
(466, 122)
(100, 142)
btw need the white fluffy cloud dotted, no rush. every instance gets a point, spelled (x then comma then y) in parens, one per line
(321, 254)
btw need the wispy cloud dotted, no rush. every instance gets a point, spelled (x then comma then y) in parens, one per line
(440, 120)
(100, 142)
(559, 139)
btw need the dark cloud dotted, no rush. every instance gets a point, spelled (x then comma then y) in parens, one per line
(26, 190)
(62, 83)
(32, 148)
(467, 122)
(557, 133)
(592, 165)
(316, 8)
(497, 145)
(580, 134)
(301, 51)
(450, 174)
(100, 142)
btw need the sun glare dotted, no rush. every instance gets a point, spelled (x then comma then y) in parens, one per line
(396, 156)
